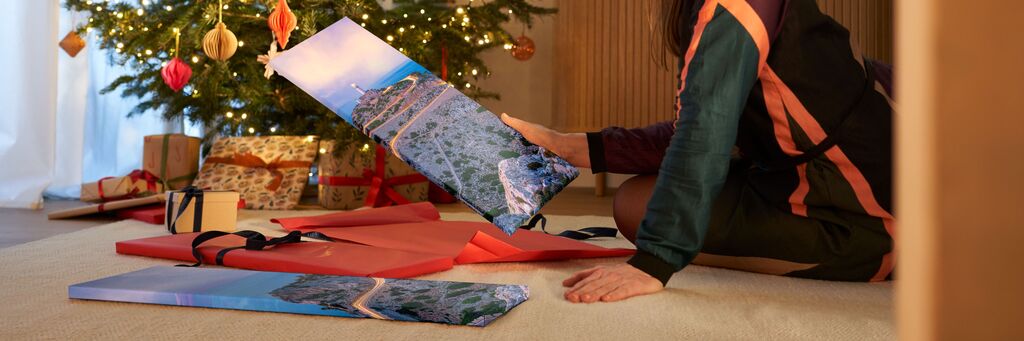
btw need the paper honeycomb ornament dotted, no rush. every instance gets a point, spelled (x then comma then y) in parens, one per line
(523, 48)
(282, 22)
(72, 44)
(176, 74)
(220, 43)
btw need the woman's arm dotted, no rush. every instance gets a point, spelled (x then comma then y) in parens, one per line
(613, 149)
(629, 151)
(721, 67)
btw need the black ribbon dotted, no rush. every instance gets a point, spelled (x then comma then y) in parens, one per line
(188, 194)
(254, 241)
(581, 234)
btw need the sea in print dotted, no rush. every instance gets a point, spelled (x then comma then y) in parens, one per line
(443, 134)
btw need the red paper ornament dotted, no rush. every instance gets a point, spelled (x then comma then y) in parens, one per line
(523, 48)
(282, 22)
(176, 74)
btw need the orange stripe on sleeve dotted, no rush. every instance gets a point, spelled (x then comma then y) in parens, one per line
(704, 16)
(754, 26)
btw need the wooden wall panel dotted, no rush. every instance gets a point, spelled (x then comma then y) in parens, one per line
(869, 21)
(606, 68)
(608, 63)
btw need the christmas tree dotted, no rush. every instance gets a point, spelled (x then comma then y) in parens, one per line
(235, 97)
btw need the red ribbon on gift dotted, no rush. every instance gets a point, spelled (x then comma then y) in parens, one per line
(248, 160)
(136, 175)
(379, 184)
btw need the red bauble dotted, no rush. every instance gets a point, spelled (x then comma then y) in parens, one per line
(176, 74)
(282, 22)
(523, 48)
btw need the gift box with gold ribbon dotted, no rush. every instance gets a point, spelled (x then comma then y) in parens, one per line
(138, 183)
(365, 175)
(269, 172)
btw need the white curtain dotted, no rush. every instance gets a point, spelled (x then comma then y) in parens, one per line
(28, 94)
(57, 130)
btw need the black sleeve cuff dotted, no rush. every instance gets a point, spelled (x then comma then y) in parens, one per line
(595, 146)
(652, 265)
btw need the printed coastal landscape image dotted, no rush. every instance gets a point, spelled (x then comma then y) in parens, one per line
(459, 303)
(426, 122)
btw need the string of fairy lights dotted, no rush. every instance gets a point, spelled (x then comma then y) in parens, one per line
(460, 19)
(400, 24)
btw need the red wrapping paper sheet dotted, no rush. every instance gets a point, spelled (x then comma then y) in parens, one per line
(418, 228)
(153, 214)
(339, 258)
(391, 242)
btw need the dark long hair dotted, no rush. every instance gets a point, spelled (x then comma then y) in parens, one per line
(676, 25)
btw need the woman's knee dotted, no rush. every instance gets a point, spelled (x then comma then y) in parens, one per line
(630, 204)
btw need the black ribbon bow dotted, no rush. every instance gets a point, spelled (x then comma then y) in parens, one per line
(254, 241)
(581, 234)
(189, 193)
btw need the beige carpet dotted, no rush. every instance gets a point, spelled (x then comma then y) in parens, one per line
(700, 303)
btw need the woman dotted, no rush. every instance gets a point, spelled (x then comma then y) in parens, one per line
(779, 161)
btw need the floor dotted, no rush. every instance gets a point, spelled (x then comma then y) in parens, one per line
(18, 226)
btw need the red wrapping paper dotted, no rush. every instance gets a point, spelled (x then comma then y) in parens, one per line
(418, 228)
(337, 258)
(392, 242)
(153, 214)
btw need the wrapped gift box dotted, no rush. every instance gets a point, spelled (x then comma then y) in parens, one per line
(269, 171)
(138, 183)
(365, 175)
(219, 210)
(174, 158)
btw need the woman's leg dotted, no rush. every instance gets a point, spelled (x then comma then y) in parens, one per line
(630, 204)
(748, 233)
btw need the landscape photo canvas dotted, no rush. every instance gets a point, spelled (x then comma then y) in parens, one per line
(426, 122)
(458, 303)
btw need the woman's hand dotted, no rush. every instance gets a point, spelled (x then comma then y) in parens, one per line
(609, 284)
(571, 147)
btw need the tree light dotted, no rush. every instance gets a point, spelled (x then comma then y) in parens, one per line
(229, 114)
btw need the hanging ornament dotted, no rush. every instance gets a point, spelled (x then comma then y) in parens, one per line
(266, 58)
(282, 22)
(523, 48)
(220, 43)
(72, 44)
(176, 73)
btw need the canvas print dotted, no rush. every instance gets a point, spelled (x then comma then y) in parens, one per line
(426, 122)
(458, 303)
